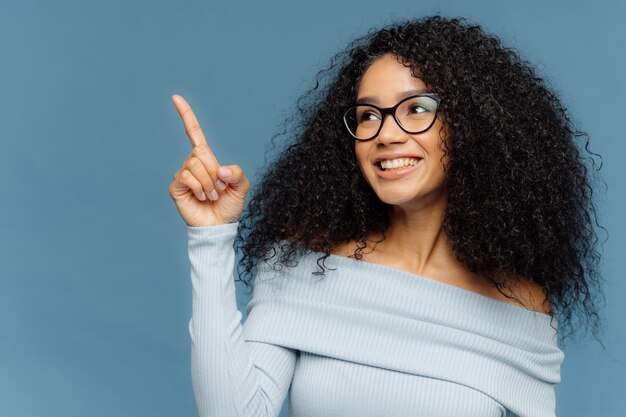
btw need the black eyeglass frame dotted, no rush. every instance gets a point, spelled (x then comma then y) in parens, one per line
(392, 110)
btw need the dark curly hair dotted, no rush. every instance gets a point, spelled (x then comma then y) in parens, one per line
(519, 193)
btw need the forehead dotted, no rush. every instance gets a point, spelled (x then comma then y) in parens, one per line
(386, 77)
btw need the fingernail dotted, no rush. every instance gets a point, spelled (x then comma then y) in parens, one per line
(220, 185)
(213, 195)
(225, 172)
(203, 196)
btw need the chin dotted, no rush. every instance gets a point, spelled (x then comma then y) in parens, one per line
(398, 197)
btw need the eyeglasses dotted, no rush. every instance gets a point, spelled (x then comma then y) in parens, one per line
(414, 114)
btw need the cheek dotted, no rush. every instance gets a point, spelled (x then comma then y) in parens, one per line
(360, 156)
(363, 163)
(443, 160)
(363, 168)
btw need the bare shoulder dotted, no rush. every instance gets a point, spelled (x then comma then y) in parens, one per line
(370, 252)
(526, 292)
(531, 294)
(344, 249)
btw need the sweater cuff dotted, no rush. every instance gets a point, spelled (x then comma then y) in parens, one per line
(206, 231)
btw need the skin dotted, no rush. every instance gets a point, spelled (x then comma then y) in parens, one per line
(417, 200)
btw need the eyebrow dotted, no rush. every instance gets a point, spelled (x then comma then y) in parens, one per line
(374, 99)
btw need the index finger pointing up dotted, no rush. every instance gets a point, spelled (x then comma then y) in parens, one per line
(192, 127)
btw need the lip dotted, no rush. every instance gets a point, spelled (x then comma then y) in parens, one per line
(395, 156)
(397, 173)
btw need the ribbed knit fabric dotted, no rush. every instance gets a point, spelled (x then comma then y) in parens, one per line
(363, 340)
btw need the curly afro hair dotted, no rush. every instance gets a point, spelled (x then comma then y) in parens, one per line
(519, 193)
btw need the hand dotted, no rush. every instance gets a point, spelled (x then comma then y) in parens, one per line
(201, 178)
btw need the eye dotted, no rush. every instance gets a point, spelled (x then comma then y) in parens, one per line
(367, 115)
(414, 108)
(419, 106)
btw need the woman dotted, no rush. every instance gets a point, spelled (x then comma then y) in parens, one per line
(438, 177)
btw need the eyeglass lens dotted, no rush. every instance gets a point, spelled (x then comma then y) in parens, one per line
(414, 115)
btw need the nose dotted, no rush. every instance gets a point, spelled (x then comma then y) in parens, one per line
(390, 131)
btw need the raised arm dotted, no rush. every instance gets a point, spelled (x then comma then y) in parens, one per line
(231, 377)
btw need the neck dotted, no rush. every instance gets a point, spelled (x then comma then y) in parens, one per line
(415, 237)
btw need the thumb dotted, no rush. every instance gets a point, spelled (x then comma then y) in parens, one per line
(233, 175)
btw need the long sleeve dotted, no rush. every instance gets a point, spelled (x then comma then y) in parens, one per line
(230, 376)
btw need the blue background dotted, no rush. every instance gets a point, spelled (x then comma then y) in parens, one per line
(95, 295)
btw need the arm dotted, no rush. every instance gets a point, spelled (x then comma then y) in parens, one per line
(230, 376)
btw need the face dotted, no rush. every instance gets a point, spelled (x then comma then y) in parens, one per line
(385, 83)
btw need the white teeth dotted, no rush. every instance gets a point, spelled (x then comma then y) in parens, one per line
(397, 163)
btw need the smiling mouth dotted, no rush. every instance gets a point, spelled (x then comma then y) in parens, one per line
(378, 165)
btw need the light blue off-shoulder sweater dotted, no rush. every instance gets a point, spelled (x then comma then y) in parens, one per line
(365, 340)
